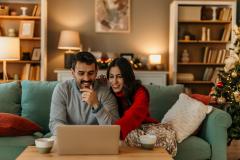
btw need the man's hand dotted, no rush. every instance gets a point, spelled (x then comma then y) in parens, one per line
(90, 97)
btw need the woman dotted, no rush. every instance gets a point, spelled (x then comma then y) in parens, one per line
(133, 102)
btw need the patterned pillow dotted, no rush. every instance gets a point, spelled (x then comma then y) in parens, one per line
(185, 116)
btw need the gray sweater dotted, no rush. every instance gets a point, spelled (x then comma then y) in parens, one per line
(68, 108)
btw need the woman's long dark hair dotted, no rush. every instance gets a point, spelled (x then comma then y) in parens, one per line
(130, 82)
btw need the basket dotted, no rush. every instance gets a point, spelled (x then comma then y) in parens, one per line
(4, 10)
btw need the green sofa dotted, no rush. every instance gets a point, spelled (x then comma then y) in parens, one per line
(32, 100)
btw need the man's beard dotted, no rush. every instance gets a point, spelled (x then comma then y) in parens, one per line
(86, 84)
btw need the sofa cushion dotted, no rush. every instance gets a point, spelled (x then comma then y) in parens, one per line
(162, 98)
(186, 115)
(19, 141)
(14, 125)
(36, 101)
(10, 97)
(10, 152)
(193, 148)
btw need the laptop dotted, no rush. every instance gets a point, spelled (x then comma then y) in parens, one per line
(88, 139)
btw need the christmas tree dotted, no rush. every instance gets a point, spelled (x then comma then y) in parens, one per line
(227, 88)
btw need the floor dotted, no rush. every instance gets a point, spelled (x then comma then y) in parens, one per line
(234, 150)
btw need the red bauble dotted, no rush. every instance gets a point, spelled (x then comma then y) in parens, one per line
(219, 84)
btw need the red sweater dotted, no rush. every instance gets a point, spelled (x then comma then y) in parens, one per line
(136, 114)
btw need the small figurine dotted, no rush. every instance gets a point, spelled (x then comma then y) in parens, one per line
(185, 56)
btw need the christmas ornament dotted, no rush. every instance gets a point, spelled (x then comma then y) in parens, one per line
(220, 84)
(221, 100)
(234, 74)
(237, 96)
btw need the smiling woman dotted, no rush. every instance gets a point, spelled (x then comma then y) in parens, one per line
(112, 15)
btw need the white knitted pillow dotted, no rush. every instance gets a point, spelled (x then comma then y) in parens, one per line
(186, 115)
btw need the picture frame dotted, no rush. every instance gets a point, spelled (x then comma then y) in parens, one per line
(128, 56)
(36, 54)
(112, 16)
(26, 29)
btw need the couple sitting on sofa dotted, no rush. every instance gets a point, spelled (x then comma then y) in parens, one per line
(84, 100)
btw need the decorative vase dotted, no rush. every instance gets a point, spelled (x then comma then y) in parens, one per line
(214, 15)
(24, 11)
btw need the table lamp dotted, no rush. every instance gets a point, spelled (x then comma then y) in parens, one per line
(155, 61)
(70, 41)
(9, 50)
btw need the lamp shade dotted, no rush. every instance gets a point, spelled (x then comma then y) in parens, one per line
(155, 59)
(9, 48)
(69, 40)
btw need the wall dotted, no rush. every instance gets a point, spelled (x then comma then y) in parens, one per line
(149, 29)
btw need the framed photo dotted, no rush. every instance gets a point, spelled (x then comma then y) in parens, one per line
(26, 29)
(112, 16)
(36, 54)
(128, 56)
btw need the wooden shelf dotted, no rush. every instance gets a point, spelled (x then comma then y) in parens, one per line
(7, 81)
(195, 82)
(20, 17)
(24, 62)
(205, 21)
(202, 42)
(200, 64)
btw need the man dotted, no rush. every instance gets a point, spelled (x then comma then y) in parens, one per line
(82, 100)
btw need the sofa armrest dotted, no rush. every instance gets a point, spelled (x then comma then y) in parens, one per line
(214, 131)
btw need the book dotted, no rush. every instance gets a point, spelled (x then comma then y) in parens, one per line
(38, 11)
(34, 10)
(209, 56)
(219, 56)
(205, 54)
(209, 74)
(223, 56)
(214, 56)
(26, 72)
(215, 74)
(37, 73)
(228, 33)
(230, 15)
(205, 74)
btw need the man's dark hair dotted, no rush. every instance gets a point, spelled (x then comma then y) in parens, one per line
(84, 57)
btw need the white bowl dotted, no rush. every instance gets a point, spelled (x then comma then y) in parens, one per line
(148, 141)
(44, 145)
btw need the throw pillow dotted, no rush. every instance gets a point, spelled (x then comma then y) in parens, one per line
(10, 97)
(36, 101)
(14, 125)
(202, 98)
(186, 115)
(162, 98)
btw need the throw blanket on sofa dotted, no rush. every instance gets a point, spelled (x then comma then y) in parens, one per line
(166, 136)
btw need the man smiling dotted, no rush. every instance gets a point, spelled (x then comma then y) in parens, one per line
(82, 100)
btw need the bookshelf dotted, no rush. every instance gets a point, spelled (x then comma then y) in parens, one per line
(36, 12)
(204, 29)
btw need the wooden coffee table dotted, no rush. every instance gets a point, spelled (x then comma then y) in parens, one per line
(126, 153)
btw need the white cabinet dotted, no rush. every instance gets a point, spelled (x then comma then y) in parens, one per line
(147, 77)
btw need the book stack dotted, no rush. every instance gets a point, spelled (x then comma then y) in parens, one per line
(31, 72)
(212, 55)
(211, 74)
(226, 33)
(36, 10)
(225, 14)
